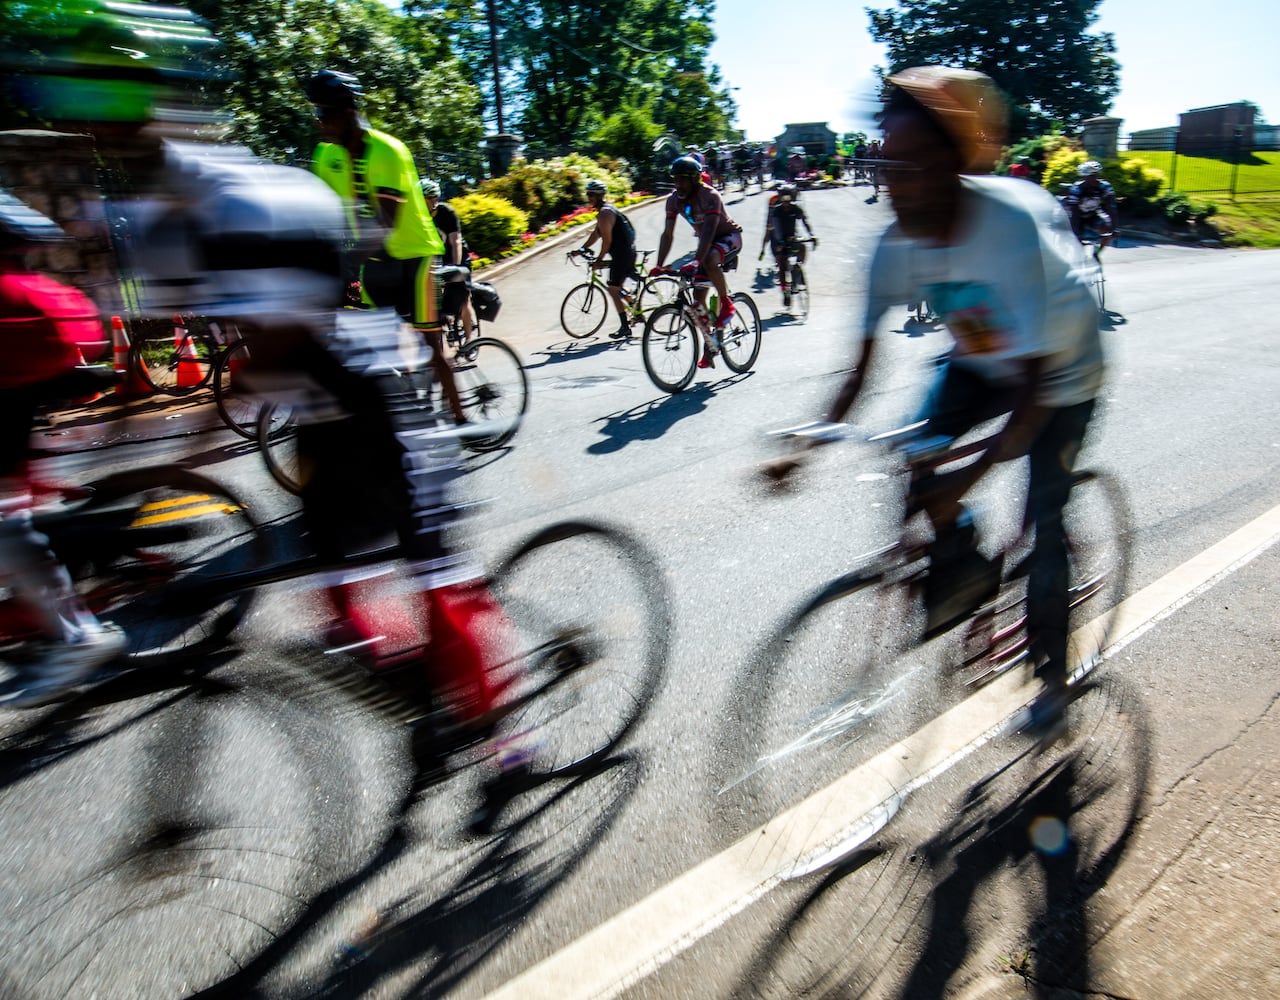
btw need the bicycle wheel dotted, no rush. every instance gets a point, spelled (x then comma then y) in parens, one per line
(592, 613)
(173, 365)
(670, 346)
(160, 536)
(657, 291)
(277, 436)
(824, 694)
(799, 293)
(1099, 286)
(237, 411)
(494, 389)
(740, 339)
(584, 309)
(1097, 523)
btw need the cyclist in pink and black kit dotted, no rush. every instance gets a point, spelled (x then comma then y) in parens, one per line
(719, 237)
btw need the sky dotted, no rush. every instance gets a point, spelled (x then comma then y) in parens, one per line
(813, 62)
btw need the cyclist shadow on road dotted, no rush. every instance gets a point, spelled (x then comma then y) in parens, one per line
(1041, 833)
(571, 350)
(649, 421)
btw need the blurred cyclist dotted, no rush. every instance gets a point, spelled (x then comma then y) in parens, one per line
(456, 297)
(216, 231)
(45, 324)
(617, 249)
(780, 233)
(996, 260)
(719, 239)
(1091, 203)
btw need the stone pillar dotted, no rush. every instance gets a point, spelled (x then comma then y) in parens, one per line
(502, 150)
(1100, 135)
(56, 174)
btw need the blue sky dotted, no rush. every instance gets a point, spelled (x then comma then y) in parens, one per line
(813, 61)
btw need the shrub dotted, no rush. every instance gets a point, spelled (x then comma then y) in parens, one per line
(1181, 210)
(489, 223)
(550, 189)
(1038, 150)
(1061, 170)
(1135, 183)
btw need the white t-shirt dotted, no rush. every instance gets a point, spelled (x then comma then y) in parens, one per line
(1012, 286)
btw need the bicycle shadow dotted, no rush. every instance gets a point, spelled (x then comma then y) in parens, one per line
(560, 352)
(1052, 827)
(494, 888)
(651, 420)
(1110, 320)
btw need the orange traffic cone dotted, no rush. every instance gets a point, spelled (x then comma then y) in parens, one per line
(189, 374)
(132, 385)
(93, 397)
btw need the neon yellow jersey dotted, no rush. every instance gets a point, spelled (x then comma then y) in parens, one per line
(387, 169)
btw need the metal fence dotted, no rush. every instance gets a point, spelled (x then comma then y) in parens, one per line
(1208, 166)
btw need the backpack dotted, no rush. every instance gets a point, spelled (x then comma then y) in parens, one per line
(485, 301)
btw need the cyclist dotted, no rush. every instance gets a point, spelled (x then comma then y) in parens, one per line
(261, 244)
(618, 243)
(456, 297)
(375, 176)
(742, 160)
(780, 233)
(45, 324)
(1091, 203)
(996, 260)
(719, 238)
(797, 164)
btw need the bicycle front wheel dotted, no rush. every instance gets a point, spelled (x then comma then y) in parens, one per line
(277, 436)
(740, 339)
(799, 293)
(175, 366)
(238, 411)
(593, 617)
(494, 390)
(584, 309)
(670, 346)
(167, 536)
(1097, 523)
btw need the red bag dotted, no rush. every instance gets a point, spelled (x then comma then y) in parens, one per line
(46, 328)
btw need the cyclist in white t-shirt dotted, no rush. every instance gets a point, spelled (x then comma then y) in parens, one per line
(998, 263)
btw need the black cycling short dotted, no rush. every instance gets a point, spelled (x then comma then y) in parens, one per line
(622, 265)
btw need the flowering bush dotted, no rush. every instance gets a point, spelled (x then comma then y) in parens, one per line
(489, 223)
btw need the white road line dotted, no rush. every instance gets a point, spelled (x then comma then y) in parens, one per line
(635, 943)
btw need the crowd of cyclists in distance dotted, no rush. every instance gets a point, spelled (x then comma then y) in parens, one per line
(741, 164)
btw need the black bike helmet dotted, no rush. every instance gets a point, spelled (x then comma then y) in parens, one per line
(686, 166)
(331, 88)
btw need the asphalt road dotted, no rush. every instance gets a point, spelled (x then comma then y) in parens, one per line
(106, 889)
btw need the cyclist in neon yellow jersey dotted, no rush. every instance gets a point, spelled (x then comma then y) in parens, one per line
(375, 176)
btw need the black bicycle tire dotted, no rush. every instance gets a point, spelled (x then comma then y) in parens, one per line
(170, 600)
(466, 356)
(649, 637)
(648, 344)
(742, 301)
(142, 345)
(223, 395)
(1119, 533)
(268, 437)
(593, 293)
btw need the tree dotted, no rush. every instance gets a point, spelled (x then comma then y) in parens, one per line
(1039, 52)
(414, 87)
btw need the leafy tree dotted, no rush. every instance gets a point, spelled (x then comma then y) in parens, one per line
(1040, 52)
(415, 88)
(629, 133)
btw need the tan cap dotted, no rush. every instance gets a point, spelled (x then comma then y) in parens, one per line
(966, 103)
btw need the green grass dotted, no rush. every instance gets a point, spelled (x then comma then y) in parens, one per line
(1252, 217)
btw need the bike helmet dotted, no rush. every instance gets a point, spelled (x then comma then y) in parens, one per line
(430, 189)
(103, 61)
(596, 186)
(1089, 168)
(686, 166)
(331, 88)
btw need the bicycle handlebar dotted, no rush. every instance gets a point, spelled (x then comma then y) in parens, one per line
(583, 252)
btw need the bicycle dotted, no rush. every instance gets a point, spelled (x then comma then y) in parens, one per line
(586, 306)
(179, 360)
(841, 671)
(196, 842)
(795, 295)
(675, 334)
(1092, 243)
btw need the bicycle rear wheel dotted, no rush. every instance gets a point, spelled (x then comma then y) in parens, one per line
(799, 293)
(592, 612)
(175, 366)
(670, 346)
(494, 390)
(740, 339)
(166, 534)
(584, 309)
(238, 411)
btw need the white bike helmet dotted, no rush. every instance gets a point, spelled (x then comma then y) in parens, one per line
(1089, 168)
